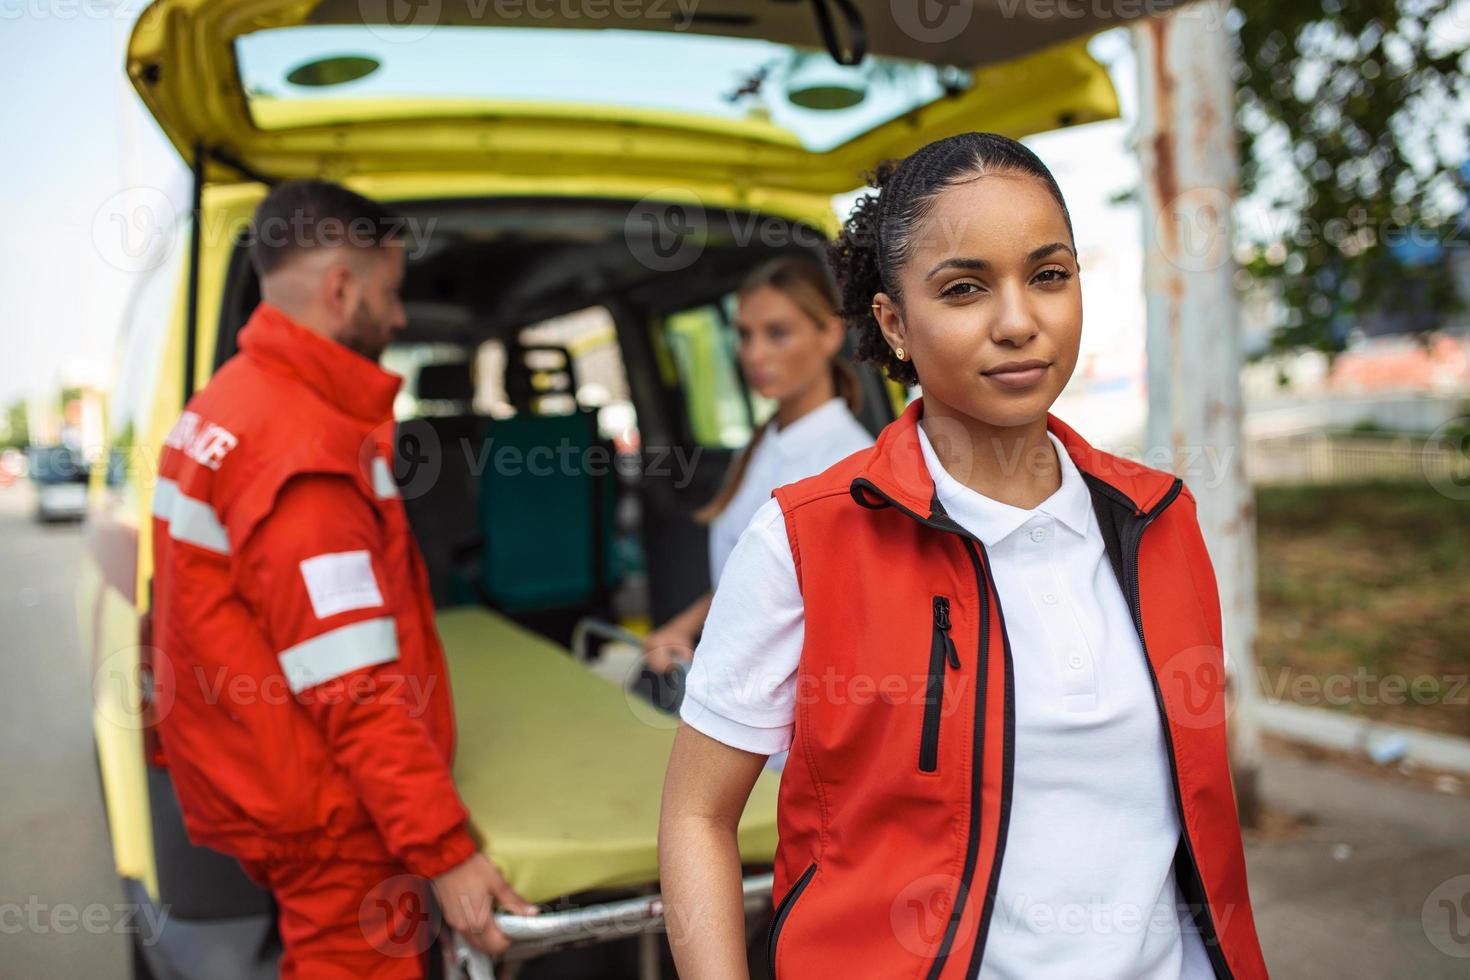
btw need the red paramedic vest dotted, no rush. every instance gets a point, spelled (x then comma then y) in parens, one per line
(895, 798)
(301, 693)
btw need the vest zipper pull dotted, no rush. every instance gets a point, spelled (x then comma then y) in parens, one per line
(941, 621)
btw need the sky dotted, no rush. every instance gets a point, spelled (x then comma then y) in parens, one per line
(75, 136)
(78, 141)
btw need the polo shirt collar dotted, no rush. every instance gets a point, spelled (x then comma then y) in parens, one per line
(991, 520)
(895, 472)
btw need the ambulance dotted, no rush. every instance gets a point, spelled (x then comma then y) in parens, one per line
(582, 185)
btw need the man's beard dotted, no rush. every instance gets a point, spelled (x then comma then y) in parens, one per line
(363, 333)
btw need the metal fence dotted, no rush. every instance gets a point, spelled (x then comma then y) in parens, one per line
(1321, 458)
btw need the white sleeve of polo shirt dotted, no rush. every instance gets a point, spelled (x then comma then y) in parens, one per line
(741, 688)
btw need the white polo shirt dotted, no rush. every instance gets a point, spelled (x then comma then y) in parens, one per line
(806, 447)
(1086, 887)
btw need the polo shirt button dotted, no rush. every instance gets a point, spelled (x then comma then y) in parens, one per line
(1050, 598)
(1038, 534)
(1075, 661)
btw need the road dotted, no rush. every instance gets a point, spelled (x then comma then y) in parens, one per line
(1350, 894)
(59, 898)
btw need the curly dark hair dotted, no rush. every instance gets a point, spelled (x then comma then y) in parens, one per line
(877, 237)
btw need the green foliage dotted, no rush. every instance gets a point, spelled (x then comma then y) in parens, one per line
(13, 427)
(1342, 106)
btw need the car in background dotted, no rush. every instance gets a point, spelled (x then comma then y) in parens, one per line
(60, 475)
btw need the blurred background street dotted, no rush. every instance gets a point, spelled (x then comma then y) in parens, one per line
(57, 853)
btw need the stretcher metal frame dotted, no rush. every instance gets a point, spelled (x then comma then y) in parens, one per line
(535, 935)
(642, 916)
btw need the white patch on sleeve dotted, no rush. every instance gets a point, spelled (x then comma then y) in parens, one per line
(383, 483)
(341, 581)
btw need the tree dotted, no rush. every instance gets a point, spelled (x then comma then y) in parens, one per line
(14, 430)
(1343, 109)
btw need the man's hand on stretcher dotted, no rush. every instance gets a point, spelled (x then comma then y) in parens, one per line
(468, 895)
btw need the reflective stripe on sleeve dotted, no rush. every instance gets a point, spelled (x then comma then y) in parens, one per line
(340, 651)
(383, 483)
(189, 519)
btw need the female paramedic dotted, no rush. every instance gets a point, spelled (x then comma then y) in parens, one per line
(789, 348)
(993, 651)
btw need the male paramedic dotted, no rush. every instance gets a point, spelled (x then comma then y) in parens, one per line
(309, 728)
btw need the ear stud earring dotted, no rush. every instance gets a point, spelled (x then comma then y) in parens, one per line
(899, 353)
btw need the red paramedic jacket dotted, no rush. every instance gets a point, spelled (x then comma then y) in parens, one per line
(894, 802)
(303, 704)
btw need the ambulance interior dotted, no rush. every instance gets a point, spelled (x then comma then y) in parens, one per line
(536, 323)
(540, 326)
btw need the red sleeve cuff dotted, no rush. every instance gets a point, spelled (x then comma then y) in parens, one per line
(449, 851)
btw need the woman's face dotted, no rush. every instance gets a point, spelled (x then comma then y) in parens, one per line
(991, 285)
(782, 350)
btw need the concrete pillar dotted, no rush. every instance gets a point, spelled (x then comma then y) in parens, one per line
(1187, 152)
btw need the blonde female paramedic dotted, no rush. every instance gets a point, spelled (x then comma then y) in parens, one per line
(789, 349)
(994, 651)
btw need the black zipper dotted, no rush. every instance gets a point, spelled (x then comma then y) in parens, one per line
(972, 847)
(783, 910)
(1135, 605)
(942, 654)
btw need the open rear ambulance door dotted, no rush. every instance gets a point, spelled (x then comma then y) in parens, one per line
(747, 93)
(769, 106)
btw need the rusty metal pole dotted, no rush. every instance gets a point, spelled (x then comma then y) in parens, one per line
(1187, 152)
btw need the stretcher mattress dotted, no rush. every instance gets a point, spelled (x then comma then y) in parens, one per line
(562, 771)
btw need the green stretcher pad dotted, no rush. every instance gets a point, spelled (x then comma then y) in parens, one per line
(562, 771)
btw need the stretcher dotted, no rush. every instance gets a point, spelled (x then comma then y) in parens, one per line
(562, 773)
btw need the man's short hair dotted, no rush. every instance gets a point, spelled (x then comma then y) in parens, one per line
(300, 215)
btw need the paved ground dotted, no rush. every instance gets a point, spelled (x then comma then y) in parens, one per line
(57, 890)
(1360, 893)
(1344, 897)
